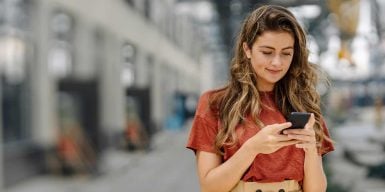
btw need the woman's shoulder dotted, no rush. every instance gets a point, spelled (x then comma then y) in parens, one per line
(207, 105)
(207, 95)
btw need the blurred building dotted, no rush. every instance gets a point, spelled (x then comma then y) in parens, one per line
(90, 67)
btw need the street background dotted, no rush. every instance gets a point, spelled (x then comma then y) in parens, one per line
(99, 95)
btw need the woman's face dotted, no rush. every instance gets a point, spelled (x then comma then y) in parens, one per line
(270, 56)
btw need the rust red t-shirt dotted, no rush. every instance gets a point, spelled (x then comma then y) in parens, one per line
(284, 164)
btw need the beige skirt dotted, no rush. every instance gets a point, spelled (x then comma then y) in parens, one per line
(284, 186)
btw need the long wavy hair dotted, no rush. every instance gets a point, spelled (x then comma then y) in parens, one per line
(296, 91)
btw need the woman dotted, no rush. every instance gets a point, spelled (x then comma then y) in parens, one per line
(238, 133)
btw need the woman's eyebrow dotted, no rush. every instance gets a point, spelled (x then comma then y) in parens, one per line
(290, 47)
(268, 47)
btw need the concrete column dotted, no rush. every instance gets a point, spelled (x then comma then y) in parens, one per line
(85, 67)
(111, 89)
(44, 114)
(156, 94)
(141, 69)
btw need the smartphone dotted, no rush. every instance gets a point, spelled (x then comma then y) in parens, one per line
(298, 119)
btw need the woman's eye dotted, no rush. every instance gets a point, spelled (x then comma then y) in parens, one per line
(267, 52)
(286, 54)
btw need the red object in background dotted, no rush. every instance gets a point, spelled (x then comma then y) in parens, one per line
(67, 149)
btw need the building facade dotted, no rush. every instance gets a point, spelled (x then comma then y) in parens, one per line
(90, 67)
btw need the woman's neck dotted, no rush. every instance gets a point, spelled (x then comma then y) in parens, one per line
(265, 88)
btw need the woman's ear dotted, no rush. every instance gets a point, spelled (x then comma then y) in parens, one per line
(246, 50)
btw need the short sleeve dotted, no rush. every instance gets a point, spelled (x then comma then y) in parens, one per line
(326, 146)
(204, 127)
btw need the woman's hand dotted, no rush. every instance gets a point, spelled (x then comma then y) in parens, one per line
(269, 139)
(306, 136)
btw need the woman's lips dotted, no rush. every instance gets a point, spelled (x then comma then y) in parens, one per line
(273, 71)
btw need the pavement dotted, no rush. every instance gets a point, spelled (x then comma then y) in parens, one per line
(365, 142)
(168, 167)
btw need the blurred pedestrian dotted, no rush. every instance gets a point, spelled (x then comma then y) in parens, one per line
(75, 152)
(238, 134)
(135, 136)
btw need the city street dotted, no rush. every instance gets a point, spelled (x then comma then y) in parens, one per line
(97, 100)
(168, 167)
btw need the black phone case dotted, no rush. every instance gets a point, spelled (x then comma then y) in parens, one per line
(298, 119)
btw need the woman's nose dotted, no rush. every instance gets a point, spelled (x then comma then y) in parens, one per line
(277, 60)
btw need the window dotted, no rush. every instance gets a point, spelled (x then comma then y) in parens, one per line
(15, 52)
(128, 54)
(61, 53)
(99, 48)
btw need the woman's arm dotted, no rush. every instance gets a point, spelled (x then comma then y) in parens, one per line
(217, 176)
(314, 177)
